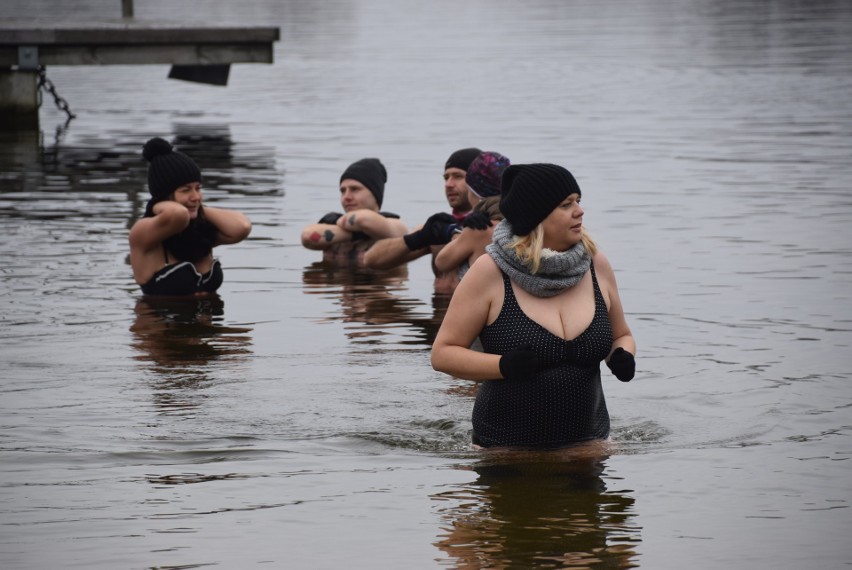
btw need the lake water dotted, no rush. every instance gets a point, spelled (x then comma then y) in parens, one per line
(296, 421)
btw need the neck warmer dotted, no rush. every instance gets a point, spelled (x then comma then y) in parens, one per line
(459, 215)
(559, 270)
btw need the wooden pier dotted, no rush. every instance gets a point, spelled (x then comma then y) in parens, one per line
(196, 53)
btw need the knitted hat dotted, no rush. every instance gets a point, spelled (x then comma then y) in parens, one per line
(371, 173)
(531, 191)
(462, 158)
(168, 168)
(484, 173)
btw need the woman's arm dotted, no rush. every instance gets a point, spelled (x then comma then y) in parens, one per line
(231, 226)
(470, 243)
(169, 219)
(147, 235)
(456, 252)
(622, 336)
(466, 316)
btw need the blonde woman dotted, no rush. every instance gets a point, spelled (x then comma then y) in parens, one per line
(544, 303)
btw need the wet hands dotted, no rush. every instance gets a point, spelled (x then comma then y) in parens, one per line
(437, 230)
(477, 221)
(622, 364)
(519, 364)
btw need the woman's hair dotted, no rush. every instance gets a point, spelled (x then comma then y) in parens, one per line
(490, 207)
(528, 248)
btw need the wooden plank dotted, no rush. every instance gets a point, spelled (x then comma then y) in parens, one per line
(136, 34)
(201, 54)
(136, 43)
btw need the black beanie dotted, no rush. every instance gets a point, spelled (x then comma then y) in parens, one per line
(462, 158)
(529, 192)
(168, 169)
(371, 173)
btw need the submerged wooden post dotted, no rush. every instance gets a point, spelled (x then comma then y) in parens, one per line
(18, 99)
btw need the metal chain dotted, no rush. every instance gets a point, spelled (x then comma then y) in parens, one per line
(47, 85)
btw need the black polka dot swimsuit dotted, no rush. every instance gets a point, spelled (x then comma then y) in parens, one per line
(564, 403)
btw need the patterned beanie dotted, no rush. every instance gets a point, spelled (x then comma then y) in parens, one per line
(371, 173)
(531, 191)
(168, 168)
(483, 175)
(462, 158)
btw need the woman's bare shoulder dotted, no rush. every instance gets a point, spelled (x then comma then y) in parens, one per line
(602, 264)
(486, 265)
(484, 272)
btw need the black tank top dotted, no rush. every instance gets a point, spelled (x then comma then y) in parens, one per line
(180, 279)
(564, 403)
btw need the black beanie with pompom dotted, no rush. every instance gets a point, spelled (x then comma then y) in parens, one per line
(168, 169)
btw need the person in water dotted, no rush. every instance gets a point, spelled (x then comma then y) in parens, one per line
(483, 185)
(545, 306)
(344, 238)
(437, 230)
(171, 247)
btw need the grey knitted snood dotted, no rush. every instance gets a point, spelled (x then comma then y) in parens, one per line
(558, 270)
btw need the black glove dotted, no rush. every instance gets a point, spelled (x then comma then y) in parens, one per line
(622, 364)
(330, 218)
(519, 364)
(477, 221)
(436, 231)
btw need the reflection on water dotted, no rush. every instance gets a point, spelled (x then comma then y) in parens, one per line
(372, 305)
(531, 510)
(180, 340)
(42, 178)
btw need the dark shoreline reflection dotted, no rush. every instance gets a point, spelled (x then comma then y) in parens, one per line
(180, 340)
(369, 301)
(107, 179)
(538, 510)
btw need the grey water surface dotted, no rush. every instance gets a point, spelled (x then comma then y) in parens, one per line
(295, 421)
